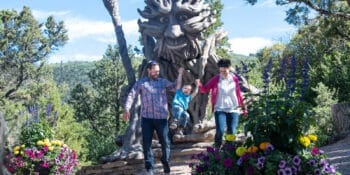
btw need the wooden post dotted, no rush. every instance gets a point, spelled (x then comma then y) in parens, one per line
(341, 117)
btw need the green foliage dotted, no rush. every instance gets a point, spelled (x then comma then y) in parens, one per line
(72, 74)
(100, 146)
(299, 10)
(24, 46)
(280, 119)
(99, 107)
(33, 132)
(322, 113)
(223, 44)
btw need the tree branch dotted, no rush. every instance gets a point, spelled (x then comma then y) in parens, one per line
(323, 11)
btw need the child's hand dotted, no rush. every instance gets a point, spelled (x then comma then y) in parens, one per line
(197, 82)
(181, 70)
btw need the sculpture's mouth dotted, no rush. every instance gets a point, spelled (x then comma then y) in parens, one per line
(176, 43)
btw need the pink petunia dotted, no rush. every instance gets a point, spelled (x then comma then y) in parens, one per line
(45, 165)
(314, 151)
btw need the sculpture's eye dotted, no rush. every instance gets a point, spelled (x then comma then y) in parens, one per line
(183, 17)
(164, 19)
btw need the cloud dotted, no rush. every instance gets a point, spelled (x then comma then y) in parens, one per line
(42, 15)
(251, 45)
(79, 28)
(76, 57)
(266, 4)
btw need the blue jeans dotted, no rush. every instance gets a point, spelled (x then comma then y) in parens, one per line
(221, 120)
(180, 114)
(161, 127)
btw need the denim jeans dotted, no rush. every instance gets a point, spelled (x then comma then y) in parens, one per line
(180, 114)
(221, 120)
(161, 127)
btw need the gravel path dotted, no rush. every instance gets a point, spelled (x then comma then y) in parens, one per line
(339, 155)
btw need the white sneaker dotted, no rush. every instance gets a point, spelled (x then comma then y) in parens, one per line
(173, 124)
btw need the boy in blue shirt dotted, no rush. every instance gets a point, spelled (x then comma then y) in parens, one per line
(183, 96)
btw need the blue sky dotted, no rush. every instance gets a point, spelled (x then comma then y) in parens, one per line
(90, 28)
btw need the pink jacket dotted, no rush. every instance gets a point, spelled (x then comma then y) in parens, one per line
(213, 86)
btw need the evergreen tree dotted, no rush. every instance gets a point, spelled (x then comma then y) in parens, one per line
(24, 46)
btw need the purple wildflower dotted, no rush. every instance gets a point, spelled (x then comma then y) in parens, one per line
(305, 77)
(290, 84)
(54, 118)
(282, 75)
(266, 75)
(48, 110)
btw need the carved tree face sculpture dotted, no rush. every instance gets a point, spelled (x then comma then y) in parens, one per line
(176, 25)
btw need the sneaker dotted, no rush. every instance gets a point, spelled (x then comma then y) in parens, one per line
(173, 124)
(166, 168)
(149, 172)
(179, 131)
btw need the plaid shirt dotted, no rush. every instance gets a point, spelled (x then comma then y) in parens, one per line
(154, 101)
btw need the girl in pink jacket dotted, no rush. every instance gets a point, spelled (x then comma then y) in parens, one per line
(226, 99)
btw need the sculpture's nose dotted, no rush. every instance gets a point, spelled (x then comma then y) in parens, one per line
(173, 31)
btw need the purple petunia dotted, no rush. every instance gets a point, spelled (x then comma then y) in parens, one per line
(261, 159)
(282, 164)
(288, 171)
(317, 171)
(210, 149)
(281, 172)
(296, 160)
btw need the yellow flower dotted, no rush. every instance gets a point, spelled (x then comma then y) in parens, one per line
(17, 148)
(230, 137)
(53, 142)
(241, 150)
(312, 137)
(16, 152)
(47, 142)
(22, 146)
(263, 145)
(22, 153)
(252, 149)
(40, 143)
(305, 141)
(60, 143)
(50, 148)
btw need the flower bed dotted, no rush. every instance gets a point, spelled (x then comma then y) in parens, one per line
(46, 157)
(236, 158)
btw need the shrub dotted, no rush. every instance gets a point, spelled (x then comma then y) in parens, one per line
(38, 150)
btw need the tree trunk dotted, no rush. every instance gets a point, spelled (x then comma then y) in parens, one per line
(2, 141)
(132, 139)
(341, 117)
